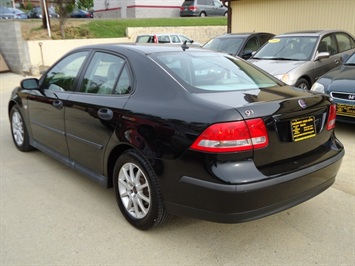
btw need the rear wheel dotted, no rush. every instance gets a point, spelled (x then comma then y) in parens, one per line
(19, 130)
(137, 191)
(203, 14)
(302, 84)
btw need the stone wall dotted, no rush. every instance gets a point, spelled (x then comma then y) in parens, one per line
(200, 34)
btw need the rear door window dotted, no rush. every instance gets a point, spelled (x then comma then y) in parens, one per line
(344, 42)
(163, 39)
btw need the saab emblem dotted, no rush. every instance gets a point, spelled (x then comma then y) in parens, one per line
(302, 103)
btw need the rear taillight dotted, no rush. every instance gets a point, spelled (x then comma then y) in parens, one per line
(233, 137)
(331, 116)
(155, 39)
(192, 8)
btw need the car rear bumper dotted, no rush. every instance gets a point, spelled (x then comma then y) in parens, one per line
(189, 14)
(239, 203)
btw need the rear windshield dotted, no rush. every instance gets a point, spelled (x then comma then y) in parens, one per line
(227, 45)
(188, 3)
(205, 71)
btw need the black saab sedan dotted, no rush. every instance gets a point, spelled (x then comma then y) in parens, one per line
(340, 84)
(180, 131)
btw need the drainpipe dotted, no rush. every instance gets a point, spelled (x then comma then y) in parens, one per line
(227, 3)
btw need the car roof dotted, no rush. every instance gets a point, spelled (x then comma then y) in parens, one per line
(160, 34)
(144, 48)
(241, 35)
(315, 33)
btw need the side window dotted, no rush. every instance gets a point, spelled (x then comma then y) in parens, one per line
(264, 38)
(61, 77)
(252, 44)
(327, 44)
(184, 38)
(107, 74)
(174, 39)
(124, 82)
(163, 39)
(344, 42)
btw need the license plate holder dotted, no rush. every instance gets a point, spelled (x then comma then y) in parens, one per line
(303, 128)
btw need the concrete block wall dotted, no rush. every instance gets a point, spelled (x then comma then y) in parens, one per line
(200, 34)
(147, 12)
(12, 47)
(115, 13)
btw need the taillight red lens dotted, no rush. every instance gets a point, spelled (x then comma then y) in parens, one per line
(331, 116)
(192, 8)
(233, 137)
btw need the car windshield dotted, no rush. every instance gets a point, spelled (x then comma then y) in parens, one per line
(288, 48)
(226, 45)
(350, 60)
(206, 71)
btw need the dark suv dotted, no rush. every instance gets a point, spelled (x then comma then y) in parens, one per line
(202, 8)
(238, 44)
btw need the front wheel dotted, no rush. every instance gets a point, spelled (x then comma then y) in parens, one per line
(137, 191)
(19, 130)
(302, 84)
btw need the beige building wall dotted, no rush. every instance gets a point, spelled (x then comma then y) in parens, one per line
(279, 16)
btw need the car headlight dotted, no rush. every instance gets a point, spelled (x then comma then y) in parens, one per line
(318, 87)
(283, 77)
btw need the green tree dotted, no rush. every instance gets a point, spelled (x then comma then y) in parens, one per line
(63, 8)
(85, 4)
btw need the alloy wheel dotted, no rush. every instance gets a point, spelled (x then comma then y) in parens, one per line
(134, 190)
(17, 128)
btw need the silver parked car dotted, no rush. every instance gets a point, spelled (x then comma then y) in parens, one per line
(202, 8)
(6, 13)
(300, 58)
(173, 38)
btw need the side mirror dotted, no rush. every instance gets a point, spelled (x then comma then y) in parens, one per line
(30, 84)
(322, 55)
(247, 54)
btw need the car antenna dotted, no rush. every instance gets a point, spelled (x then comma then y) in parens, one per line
(184, 46)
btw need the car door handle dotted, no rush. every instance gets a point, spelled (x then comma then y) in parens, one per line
(58, 104)
(337, 61)
(105, 114)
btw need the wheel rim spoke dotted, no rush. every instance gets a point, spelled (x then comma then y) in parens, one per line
(134, 190)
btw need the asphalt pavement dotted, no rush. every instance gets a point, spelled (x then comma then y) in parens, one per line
(51, 215)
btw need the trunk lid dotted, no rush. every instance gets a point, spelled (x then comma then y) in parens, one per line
(295, 122)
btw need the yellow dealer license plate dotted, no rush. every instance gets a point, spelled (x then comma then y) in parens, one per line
(303, 128)
(346, 110)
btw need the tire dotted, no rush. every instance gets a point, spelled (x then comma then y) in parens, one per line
(19, 130)
(137, 191)
(203, 14)
(302, 84)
